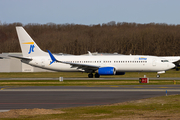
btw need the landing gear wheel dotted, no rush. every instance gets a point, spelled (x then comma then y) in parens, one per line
(158, 76)
(177, 69)
(90, 75)
(97, 75)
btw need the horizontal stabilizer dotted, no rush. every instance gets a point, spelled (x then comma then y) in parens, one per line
(20, 57)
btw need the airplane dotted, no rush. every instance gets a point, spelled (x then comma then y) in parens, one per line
(94, 65)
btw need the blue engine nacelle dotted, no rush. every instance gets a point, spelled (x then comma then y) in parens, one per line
(107, 71)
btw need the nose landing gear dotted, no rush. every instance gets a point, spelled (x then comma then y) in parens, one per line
(158, 76)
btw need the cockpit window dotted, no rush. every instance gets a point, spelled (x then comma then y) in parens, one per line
(164, 61)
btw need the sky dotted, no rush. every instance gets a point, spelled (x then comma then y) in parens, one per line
(89, 12)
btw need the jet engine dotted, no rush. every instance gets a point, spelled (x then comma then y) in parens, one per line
(107, 71)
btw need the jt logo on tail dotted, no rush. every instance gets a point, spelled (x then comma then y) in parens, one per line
(31, 49)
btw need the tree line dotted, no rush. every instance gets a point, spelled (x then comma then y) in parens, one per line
(123, 38)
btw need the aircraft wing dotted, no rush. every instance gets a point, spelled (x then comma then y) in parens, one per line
(85, 67)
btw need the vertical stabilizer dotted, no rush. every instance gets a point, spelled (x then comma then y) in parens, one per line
(28, 46)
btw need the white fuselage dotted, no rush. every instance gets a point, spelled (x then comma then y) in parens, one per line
(133, 63)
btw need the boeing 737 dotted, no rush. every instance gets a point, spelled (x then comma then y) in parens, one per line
(94, 65)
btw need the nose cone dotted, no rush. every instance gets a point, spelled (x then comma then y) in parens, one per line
(171, 65)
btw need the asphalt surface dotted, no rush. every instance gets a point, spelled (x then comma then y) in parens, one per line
(51, 97)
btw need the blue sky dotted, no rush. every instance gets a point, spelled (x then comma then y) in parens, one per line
(90, 12)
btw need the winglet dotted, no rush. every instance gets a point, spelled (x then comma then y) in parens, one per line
(52, 57)
(90, 54)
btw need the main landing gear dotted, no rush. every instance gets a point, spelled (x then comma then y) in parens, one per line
(90, 75)
(97, 75)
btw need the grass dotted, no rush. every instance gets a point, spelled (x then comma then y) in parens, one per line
(83, 83)
(164, 107)
(170, 73)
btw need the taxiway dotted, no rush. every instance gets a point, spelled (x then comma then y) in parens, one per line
(51, 97)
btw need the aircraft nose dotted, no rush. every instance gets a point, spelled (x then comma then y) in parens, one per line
(171, 65)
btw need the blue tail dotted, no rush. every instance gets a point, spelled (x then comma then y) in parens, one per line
(52, 57)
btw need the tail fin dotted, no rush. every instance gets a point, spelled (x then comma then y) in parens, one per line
(28, 46)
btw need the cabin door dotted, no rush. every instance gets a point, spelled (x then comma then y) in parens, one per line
(154, 62)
